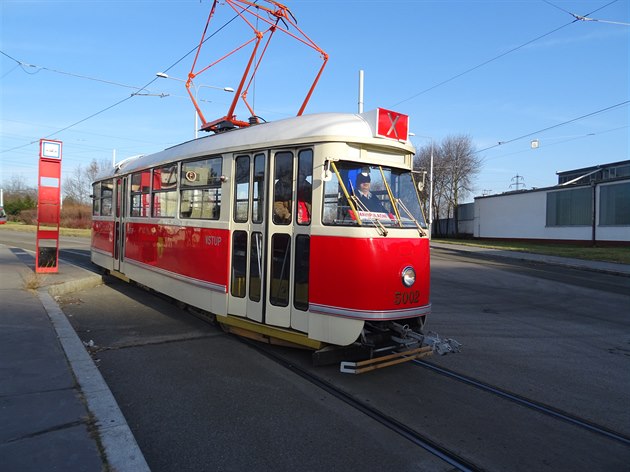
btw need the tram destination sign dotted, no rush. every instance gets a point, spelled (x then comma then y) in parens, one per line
(389, 124)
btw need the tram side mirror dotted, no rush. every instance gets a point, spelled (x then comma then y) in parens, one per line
(326, 172)
(421, 181)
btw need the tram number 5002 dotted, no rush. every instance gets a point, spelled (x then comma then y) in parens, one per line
(403, 298)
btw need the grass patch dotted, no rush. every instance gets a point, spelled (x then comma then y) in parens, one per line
(13, 226)
(34, 281)
(607, 254)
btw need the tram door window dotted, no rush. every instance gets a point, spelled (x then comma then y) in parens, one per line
(119, 242)
(255, 267)
(241, 190)
(283, 188)
(300, 280)
(280, 269)
(304, 187)
(239, 263)
(258, 190)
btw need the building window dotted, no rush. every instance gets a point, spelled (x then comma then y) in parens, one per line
(614, 205)
(570, 207)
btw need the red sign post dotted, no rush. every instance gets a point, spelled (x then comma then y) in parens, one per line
(48, 206)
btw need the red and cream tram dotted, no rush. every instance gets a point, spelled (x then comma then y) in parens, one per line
(307, 230)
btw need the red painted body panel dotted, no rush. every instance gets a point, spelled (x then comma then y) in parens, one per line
(199, 253)
(365, 274)
(103, 236)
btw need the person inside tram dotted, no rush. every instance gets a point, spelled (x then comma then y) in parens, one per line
(304, 196)
(366, 198)
(282, 199)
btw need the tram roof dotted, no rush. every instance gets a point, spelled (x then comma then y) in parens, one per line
(295, 131)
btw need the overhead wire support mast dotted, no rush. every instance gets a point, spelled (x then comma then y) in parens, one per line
(275, 14)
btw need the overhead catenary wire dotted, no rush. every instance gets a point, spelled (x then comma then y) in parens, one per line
(478, 66)
(586, 17)
(120, 102)
(501, 143)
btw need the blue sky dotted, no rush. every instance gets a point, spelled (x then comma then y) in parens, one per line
(83, 56)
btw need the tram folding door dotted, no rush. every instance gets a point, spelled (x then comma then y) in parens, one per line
(266, 232)
(119, 227)
(246, 292)
(279, 239)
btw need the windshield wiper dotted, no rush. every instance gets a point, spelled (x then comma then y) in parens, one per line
(411, 217)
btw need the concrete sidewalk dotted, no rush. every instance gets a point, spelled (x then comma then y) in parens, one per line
(56, 412)
(597, 266)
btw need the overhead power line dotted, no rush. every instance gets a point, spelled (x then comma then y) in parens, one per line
(136, 93)
(467, 71)
(587, 18)
(501, 143)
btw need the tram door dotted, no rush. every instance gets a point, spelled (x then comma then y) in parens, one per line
(287, 242)
(119, 225)
(270, 246)
(248, 219)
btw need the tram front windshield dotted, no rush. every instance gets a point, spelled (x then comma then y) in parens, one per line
(360, 194)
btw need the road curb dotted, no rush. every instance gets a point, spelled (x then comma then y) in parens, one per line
(120, 447)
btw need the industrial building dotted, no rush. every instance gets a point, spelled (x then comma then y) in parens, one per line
(591, 204)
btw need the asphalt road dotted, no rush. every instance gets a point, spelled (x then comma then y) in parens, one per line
(198, 399)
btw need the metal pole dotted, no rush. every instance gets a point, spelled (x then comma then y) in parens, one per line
(431, 194)
(360, 91)
(196, 114)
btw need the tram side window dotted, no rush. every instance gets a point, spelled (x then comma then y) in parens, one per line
(283, 188)
(201, 189)
(96, 199)
(258, 189)
(165, 191)
(305, 186)
(102, 204)
(140, 194)
(241, 189)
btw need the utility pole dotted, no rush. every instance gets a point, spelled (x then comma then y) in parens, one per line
(518, 181)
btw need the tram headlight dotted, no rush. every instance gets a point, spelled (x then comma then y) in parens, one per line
(408, 276)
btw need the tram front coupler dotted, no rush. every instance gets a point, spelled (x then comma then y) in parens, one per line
(405, 345)
(407, 338)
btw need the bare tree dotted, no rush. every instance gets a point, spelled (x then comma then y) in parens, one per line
(455, 165)
(462, 165)
(77, 186)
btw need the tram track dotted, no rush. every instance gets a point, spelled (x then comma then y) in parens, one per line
(450, 457)
(527, 403)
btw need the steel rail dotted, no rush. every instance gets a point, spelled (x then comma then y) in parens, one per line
(531, 404)
(394, 425)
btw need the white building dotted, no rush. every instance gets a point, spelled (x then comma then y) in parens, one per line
(588, 205)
